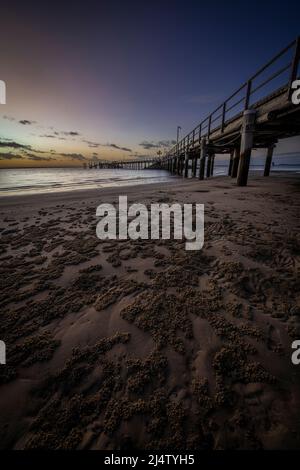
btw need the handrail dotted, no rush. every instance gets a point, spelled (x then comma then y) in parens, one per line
(225, 107)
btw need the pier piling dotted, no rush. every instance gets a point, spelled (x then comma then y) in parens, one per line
(203, 151)
(208, 167)
(246, 146)
(235, 162)
(230, 163)
(269, 160)
(195, 160)
(186, 165)
(212, 165)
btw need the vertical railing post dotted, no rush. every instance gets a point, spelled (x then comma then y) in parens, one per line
(248, 93)
(223, 116)
(294, 67)
(209, 126)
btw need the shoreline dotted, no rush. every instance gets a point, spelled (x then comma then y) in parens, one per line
(90, 192)
(141, 343)
(178, 182)
(77, 193)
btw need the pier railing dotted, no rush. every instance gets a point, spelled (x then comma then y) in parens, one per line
(277, 74)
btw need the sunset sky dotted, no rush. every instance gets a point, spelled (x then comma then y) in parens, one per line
(113, 79)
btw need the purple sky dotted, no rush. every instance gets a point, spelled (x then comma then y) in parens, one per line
(113, 79)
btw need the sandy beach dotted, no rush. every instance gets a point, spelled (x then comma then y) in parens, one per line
(142, 344)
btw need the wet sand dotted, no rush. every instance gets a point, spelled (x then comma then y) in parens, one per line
(142, 344)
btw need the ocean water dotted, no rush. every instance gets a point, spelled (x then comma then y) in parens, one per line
(223, 169)
(49, 180)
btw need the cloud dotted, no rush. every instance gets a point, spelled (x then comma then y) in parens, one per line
(25, 150)
(72, 133)
(9, 118)
(72, 156)
(63, 135)
(148, 145)
(26, 122)
(14, 145)
(114, 146)
(26, 155)
(125, 149)
(91, 144)
(166, 143)
(9, 156)
(52, 136)
(37, 158)
(59, 135)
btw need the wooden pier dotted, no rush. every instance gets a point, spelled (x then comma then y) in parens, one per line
(152, 163)
(255, 116)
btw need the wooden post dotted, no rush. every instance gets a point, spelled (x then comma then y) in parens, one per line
(212, 164)
(178, 165)
(230, 163)
(208, 166)
(269, 160)
(246, 146)
(235, 162)
(186, 165)
(195, 165)
(203, 151)
(181, 165)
